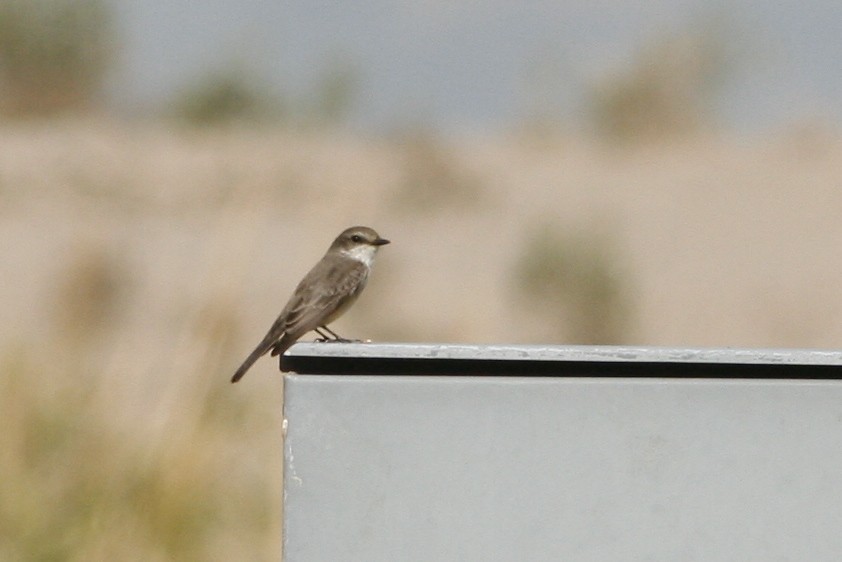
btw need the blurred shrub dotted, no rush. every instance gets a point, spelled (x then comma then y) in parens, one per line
(432, 177)
(334, 94)
(669, 90)
(226, 96)
(94, 468)
(232, 94)
(77, 487)
(573, 283)
(99, 465)
(53, 55)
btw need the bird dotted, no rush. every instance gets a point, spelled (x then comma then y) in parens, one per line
(325, 293)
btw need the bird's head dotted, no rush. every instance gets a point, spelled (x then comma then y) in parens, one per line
(358, 242)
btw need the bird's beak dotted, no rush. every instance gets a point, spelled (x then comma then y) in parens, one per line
(380, 242)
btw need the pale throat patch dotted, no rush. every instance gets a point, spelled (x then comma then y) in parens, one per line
(363, 253)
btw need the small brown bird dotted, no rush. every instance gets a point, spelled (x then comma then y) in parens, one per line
(325, 293)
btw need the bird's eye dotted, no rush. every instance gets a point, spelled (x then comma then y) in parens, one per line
(357, 238)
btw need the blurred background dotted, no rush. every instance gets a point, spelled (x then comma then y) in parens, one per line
(658, 173)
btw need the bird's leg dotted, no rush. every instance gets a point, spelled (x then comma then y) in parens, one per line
(324, 337)
(336, 337)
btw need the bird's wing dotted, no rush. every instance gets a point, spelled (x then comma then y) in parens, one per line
(324, 291)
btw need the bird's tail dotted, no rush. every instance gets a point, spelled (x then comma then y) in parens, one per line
(259, 351)
(272, 342)
(254, 356)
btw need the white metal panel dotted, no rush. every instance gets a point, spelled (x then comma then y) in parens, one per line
(392, 468)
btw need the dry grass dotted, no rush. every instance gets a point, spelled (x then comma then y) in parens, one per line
(141, 263)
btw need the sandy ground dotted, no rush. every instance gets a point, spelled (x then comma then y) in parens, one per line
(718, 242)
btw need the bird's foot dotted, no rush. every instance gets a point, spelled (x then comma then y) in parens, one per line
(328, 335)
(346, 340)
(336, 340)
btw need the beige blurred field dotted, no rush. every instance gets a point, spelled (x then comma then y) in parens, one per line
(141, 263)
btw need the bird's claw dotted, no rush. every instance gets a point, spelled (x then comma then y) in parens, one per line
(336, 340)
